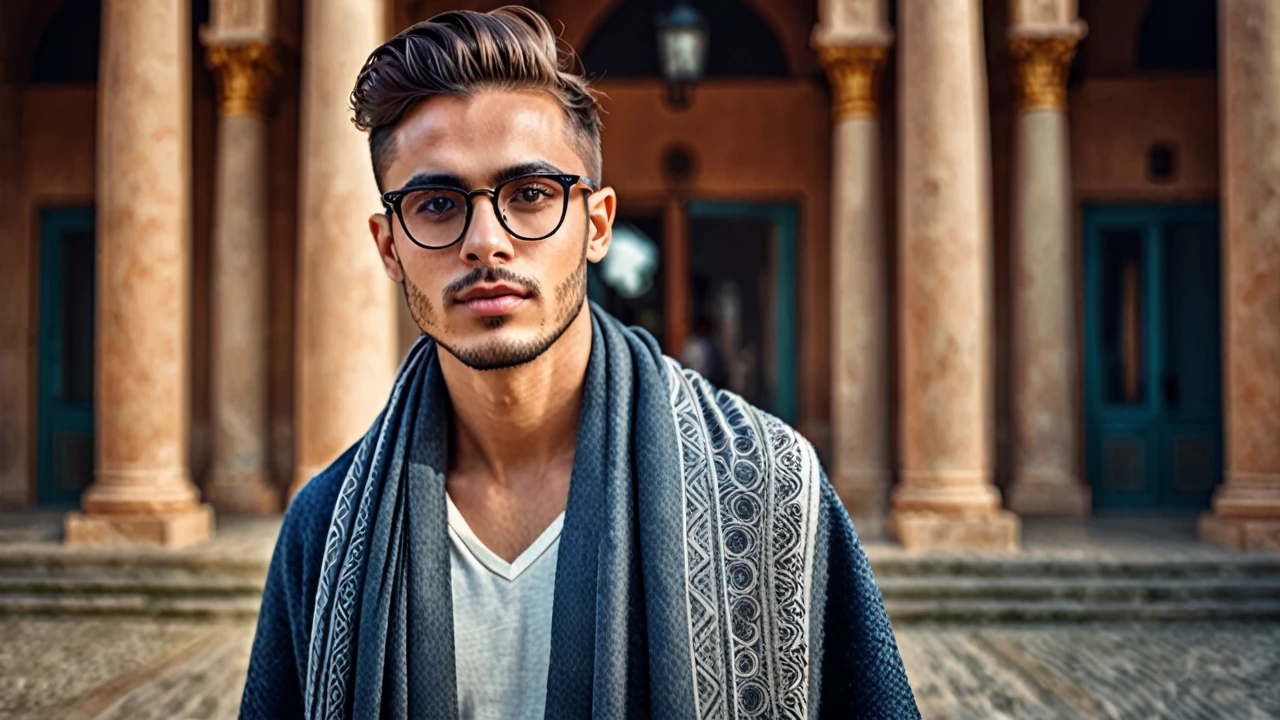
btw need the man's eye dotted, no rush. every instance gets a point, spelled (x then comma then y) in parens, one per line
(532, 193)
(435, 205)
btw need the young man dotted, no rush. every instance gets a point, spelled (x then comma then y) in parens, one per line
(549, 519)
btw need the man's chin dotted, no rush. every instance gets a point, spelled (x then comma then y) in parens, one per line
(499, 342)
(496, 350)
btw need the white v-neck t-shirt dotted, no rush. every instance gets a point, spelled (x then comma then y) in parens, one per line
(501, 623)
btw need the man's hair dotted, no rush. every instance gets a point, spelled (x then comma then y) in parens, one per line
(462, 52)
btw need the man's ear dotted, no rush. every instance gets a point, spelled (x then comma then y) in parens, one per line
(602, 208)
(380, 227)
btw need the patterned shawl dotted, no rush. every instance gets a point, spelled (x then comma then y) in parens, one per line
(706, 568)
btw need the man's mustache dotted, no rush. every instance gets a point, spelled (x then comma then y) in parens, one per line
(492, 275)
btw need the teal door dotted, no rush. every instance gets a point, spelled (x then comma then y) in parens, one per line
(1153, 347)
(742, 267)
(64, 441)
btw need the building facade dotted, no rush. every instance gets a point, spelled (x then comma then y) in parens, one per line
(996, 258)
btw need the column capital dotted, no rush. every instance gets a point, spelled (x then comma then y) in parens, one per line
(854, 72)
(1040, 69)
(245, 72)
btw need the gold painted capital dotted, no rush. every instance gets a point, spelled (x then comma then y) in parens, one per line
(244, 73)
(1041, 65)
(854, 72)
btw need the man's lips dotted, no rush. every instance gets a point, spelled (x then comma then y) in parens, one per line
(490, 300)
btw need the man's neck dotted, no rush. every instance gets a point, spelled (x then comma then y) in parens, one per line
(513, 425)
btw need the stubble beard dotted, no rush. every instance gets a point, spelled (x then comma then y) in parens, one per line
(501, 354)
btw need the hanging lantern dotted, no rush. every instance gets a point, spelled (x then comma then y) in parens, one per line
(682, 50)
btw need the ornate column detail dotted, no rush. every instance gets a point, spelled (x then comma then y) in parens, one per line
(945, 498)
(1041, 63)
(1246, 508)
(859, 326)
(239, 479)
(1043, 363)
(245, 74)
(142, 490)
(854, 72)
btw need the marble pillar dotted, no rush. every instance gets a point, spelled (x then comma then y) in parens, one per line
(945, 498)
(853, 49)
(1246, 508)
(142, 491)
(1046, 476)
(346, 322)
(239, 479)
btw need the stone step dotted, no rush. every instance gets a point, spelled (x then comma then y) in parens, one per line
(143, 562)
(984, 611)
(152, 584)
(1093, 590)
(116, 604)
(1245, 566)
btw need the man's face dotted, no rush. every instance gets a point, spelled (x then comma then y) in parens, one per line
(492, 300)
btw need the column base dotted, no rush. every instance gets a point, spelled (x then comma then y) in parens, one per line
(1059, 497)
(920, 531)
(247, 492)
(170, 530)
(1243, 534)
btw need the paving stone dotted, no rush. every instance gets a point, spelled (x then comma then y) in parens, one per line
(92, 669)
(1184, 670)
(71, 668)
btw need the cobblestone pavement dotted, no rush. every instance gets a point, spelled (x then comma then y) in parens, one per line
(114, 669)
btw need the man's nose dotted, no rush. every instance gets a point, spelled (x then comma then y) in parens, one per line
(486, 242)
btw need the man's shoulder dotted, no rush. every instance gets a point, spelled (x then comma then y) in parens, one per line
(306, 522)
(735, 413)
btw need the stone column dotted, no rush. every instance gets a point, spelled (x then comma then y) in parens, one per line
(142, 491)
(1046, 476)
(346, 331)
(945, 498)
(852, 43)
(239, 480)
(1246, 508)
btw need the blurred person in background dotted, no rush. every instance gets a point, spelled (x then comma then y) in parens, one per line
(549, 518)
(702, 355)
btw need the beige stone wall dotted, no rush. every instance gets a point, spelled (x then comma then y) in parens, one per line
(1114, 122)
(1111, 48)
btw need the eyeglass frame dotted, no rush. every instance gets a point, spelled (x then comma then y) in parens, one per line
(392, 200)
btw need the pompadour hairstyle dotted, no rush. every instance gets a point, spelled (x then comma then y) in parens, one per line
(462, 52)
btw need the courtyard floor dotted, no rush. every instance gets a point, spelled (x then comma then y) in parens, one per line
(140, 669)
(62, 658)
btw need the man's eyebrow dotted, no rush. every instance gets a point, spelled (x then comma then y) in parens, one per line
(436, 179)
(529, 168)
(449, 180)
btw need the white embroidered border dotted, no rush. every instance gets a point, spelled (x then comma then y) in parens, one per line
(706, 650)
(750, 518)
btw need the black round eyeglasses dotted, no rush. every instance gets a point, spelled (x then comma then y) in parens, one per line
(529, 207)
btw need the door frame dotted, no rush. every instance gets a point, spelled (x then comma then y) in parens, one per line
(1147, 419)
(54, 223)
(785, 219)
